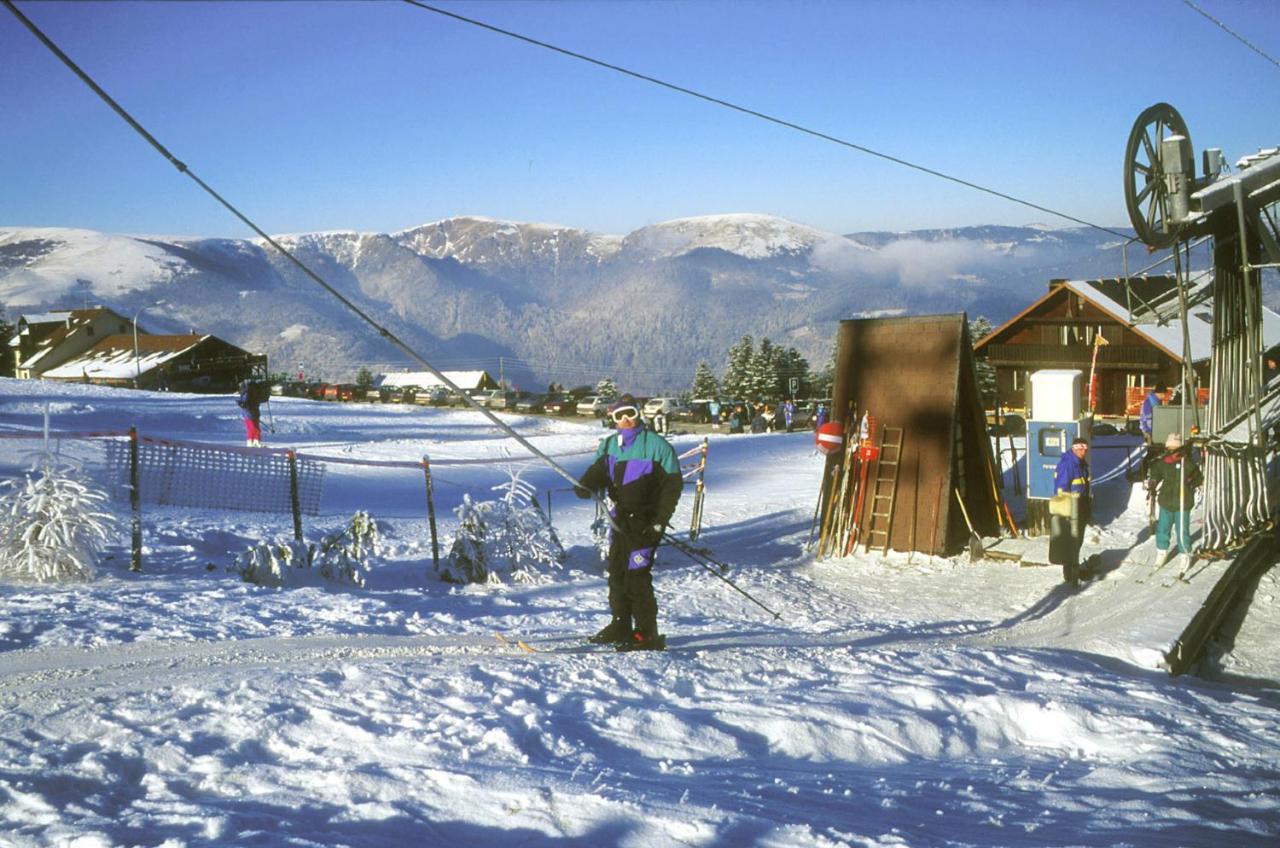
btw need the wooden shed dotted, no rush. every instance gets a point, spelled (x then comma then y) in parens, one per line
(915, 376)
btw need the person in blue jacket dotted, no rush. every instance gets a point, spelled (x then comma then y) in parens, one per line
(1071, 476)
(639, 471)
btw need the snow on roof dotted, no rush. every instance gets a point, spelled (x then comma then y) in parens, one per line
(427, 380)
(45, 317)
(114, 357)
(1169, 334)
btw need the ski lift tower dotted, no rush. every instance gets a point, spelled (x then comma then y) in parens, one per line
(1169, 205)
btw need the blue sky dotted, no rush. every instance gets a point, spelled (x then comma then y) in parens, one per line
(379, 116)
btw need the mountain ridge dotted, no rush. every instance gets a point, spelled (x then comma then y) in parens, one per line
(554, 302)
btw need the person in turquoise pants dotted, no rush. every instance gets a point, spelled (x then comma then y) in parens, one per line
(1175, 494)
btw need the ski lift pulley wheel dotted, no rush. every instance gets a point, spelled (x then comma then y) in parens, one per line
(1146, 193)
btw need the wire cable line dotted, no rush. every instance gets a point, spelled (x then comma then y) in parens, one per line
(316, 278)
(762, 116)
(1229, 31)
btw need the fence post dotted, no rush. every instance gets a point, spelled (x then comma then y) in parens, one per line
(135, 502)
(431, 514)
(698, 493)
(293, 494)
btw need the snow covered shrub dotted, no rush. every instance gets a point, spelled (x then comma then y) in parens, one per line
(339, 557)
(52, 525)
(510, 536)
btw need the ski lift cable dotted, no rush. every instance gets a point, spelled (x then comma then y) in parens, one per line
(761, 115)
(1229, 31)
(182, 168)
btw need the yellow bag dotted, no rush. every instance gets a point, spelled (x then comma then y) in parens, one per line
(1062, 504)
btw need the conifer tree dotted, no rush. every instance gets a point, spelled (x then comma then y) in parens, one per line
(736, 373)
(704, 382)
(980, 328)
(607, 388)
(762, 373)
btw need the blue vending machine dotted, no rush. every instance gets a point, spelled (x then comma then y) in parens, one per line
(1055, 422)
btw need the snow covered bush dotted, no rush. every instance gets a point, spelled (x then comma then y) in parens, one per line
(509, 536)
(52, 525)
(340, 557)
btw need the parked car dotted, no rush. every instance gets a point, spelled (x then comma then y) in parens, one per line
(560, 404)
(657, 405)
(340, 391)
(592, 405)
(289, 388)
(403, 394)
(697, 412)
(531, 403)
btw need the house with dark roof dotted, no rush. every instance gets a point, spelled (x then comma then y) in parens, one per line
(184, 362)
(42, 341)
(1133, 324)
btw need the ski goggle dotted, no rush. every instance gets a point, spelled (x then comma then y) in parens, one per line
(624, 412)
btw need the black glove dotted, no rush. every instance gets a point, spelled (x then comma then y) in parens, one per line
(643, 531)
(582, 492)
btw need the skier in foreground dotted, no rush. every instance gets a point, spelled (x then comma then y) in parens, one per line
(641, 474)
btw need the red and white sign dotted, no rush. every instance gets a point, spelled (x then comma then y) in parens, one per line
(830, 437)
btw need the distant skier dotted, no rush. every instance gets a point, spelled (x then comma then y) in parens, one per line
(641, 474)
(250, 403)
(788, 414)
(820, 417)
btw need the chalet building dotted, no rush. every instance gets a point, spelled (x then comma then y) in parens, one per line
(1139, 325)
(465, 380)
(186, 362)
(46, 340)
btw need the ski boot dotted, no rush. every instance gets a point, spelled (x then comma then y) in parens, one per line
(639, 641)
(615, 632)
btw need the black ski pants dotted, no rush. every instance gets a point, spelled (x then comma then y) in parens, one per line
(631, 597)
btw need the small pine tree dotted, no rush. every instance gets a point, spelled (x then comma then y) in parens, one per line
(510, 535)
(52, 526)
(704, 382)
(364, 377)
(607, 388)
(342, 557)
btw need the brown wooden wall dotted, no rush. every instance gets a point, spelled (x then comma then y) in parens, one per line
(917, 373)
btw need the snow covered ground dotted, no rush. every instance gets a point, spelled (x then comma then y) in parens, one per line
(896, 701)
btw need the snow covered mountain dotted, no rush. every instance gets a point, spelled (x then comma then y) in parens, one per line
(554, 302)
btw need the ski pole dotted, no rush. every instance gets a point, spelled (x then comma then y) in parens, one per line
(698, 557)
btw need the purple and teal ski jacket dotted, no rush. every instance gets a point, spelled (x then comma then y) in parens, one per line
(1071, 475)
(640, 471)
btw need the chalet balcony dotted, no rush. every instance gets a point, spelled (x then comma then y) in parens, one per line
(1033, 356)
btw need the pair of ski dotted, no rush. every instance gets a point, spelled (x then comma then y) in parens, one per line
(578, 645)
(1182, 575)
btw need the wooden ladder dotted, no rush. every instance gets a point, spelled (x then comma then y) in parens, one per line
(884, 488)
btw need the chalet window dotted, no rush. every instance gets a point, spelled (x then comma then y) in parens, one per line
(1019, 380)
(1080, 334)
